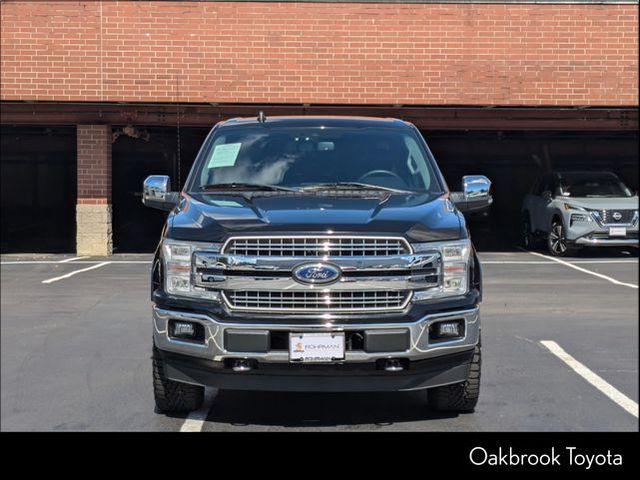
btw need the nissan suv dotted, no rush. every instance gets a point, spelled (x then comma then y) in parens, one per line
(316, 254)
(570, 210)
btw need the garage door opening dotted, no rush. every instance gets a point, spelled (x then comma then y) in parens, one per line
(38, 172)
(511, 159)
(138, 152)
(514, 159)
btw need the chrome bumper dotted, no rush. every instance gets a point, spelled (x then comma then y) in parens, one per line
(213, 347)
(607, 242)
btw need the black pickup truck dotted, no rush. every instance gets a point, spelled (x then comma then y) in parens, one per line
(316, 254)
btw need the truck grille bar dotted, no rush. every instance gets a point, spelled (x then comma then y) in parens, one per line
(316, 247)
(334, 301)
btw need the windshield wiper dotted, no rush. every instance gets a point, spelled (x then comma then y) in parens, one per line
(241, 186)
(352, 185)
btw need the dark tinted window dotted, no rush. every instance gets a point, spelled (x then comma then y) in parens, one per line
(592, 184)
(292, 156)
(546, 184)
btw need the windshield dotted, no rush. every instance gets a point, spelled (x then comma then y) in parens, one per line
(596, 184)
(299, 157)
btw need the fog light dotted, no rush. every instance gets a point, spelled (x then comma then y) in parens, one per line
(447, 330)
(186, 330)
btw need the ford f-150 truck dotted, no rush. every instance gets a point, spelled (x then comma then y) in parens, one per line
(316, 254)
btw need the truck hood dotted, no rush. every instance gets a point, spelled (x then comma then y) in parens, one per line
(603, 203)
(214, 217)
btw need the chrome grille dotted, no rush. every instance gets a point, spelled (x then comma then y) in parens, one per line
(317, 247)
(333, 301)
(608, 216)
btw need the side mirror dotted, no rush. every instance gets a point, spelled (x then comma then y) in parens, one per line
(156, 193)
(475, 195)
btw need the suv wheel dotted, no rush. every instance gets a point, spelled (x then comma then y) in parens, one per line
(556, 240)
(460, 397)
(173, 396)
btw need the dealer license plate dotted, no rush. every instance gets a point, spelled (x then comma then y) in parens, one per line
(316, 347)
(617, 231)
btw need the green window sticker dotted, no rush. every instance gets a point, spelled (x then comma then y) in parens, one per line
(224, 155)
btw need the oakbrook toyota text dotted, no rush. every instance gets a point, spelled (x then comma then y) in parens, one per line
(316, 254)
(571, 456)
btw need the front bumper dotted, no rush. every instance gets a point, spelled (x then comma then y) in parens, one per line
(429, 363)
(597, 234)
(606, 241)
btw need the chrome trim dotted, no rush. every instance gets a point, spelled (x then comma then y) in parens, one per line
(475, 187)
(400, 240)
(222, 261)
(227, 272)
(607, 242)
(597, 216)
(308, 306)
(369, 283)
(316, 277)
(213, 349)
(156, 188)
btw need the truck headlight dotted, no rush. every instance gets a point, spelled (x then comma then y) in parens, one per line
(177, 266)
(455, 267)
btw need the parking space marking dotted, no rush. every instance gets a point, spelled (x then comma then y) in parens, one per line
(595, 262)
(593, 378)
(584, 270)
(89, 262)
(75, 272)
(67, 260)
(549, 262)
(195, 420)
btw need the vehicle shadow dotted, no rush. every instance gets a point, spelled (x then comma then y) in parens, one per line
(297, 409)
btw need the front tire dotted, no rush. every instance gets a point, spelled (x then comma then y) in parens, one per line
(556, 240)
(174, 397)
(460, 397)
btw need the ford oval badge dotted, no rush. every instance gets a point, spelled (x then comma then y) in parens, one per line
(316, 273)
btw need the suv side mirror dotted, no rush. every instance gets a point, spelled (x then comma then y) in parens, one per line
(475, 195)
(156, 193)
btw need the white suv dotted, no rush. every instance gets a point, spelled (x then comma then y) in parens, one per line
(579, 208)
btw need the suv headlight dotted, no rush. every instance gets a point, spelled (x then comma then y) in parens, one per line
(455, 268)
(570, 206)
(178, 268)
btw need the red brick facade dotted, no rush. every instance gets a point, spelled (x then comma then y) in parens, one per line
(94, 164)
(436, 54)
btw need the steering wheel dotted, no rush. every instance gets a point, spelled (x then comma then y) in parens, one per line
(388, 173)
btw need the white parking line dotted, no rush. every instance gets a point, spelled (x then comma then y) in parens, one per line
(576, 262)
(195, 421)
(550, 262)
(75, 272)
(49, 262)
(594, 379)
(67, 260)
(513, 262)
(584, 270)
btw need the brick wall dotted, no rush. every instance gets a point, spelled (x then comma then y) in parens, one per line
(94, 164)
(320, 53)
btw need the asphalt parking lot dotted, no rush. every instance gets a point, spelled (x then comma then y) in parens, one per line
(560, 352)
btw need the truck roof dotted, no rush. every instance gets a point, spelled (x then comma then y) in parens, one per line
(318, 121)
